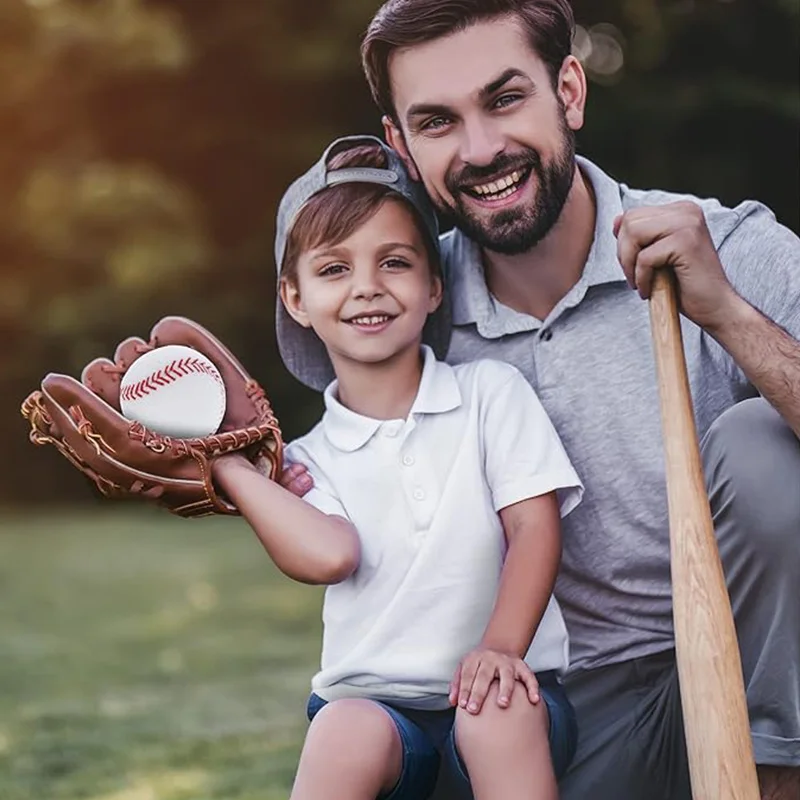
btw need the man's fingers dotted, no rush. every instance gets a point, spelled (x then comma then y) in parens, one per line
(480, 688)
(531, 684)
(659, 254)
(506, 687)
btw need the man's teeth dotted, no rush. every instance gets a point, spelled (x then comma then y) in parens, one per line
(503, 187)
(375, 320)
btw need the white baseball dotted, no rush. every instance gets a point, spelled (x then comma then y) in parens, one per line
(175, 391)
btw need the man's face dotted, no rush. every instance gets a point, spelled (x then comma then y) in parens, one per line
(486, 132)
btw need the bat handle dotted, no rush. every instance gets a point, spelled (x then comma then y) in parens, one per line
(715, 718)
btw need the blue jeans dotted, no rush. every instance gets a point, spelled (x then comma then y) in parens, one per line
(428, 737)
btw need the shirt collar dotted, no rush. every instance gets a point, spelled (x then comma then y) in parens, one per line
(438, 392)
(471, 300)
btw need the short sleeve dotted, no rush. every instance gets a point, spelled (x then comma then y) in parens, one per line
(322, 496)
(761, 258)
(524, 454)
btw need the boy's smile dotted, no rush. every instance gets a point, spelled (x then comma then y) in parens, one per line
(368, 296)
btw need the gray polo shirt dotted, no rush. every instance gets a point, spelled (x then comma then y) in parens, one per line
(591, 363)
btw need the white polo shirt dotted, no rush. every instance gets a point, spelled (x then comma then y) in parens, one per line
(424, 495)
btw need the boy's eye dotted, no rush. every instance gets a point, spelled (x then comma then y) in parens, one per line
(332, 269)
(396, 263)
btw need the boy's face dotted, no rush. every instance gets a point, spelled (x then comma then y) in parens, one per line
(368, 297)
(481, 125)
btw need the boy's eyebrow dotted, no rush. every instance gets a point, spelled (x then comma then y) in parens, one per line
(398, 246)
(427, 109)
(340, 252)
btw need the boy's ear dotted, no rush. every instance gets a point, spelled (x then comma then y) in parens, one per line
(437, 292)
(396, 140)
(292, 302)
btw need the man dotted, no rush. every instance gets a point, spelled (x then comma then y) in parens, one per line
(547, 269)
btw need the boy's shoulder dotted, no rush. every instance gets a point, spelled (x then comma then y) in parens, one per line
(310, 447)
(485, 373)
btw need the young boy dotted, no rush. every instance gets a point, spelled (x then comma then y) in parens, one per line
(435, 514)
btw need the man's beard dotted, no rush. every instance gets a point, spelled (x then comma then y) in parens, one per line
(515, 230)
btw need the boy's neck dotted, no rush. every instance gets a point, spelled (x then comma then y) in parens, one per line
(381, 391)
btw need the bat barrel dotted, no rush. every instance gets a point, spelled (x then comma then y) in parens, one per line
(716, 724)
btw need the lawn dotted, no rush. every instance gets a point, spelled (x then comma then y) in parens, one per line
(146, 657)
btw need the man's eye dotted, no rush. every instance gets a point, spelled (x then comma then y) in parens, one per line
(506, 100)
(435, 124)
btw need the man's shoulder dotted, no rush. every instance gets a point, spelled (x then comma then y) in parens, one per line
(722, 220)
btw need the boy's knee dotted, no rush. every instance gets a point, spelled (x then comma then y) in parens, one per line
(354, 725)
(497, 728)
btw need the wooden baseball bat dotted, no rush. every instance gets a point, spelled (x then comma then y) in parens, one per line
(716, 725)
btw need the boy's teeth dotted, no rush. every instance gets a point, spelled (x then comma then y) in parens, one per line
(370, 320)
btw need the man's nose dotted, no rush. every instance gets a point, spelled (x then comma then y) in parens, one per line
(482, 142)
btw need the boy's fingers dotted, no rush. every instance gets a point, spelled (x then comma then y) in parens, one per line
(468, 671)
(455, 685)
(531, 684)
(480, 688)
(295, 478)
(506, 687)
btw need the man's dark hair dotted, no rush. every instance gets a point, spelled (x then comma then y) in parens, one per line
(548, 24)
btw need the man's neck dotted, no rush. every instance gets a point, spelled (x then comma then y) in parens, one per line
(380, 391)
(535, 281)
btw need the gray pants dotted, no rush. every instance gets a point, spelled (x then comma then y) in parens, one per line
(631, 744)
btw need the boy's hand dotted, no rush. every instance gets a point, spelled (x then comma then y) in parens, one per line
(479, 669)
(296, 479)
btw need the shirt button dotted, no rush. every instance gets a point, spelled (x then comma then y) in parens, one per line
(547, 335)
(419, 494)
(392, 429)
(408, 460)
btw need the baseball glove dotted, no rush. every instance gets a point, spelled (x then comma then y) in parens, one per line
(82, 420)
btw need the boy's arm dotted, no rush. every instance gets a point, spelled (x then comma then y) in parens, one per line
(305, 544)
(533, 534)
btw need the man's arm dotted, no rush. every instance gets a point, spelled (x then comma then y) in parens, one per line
(768, 356)
(305, 544)
(675, 235)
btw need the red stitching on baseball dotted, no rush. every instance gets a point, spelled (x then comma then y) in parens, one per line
(169, 373)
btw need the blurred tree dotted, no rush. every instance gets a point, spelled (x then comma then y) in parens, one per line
(146, 144)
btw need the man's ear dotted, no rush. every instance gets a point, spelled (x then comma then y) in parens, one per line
(292, 302)
(396, 140)
(572, 90)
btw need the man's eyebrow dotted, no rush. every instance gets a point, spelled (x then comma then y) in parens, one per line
(431, 109)
(501, 80)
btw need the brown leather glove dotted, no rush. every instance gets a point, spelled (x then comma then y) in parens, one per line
(82, 420)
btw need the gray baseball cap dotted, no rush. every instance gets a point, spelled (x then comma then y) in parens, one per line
(302, 351)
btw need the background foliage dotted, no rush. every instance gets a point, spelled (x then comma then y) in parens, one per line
(145, 144)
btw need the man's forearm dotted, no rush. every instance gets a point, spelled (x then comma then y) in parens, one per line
(768, 356)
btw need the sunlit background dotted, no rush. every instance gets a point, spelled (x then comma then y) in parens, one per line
(143, 147)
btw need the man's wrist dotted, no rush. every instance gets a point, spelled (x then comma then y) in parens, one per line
(733, 312)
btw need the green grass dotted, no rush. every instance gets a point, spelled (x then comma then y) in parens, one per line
(146, 657)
